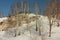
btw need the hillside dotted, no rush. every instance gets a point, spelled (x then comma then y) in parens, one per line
(22, 33)
(17, 20)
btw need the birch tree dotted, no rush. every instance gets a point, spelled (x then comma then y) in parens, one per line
(36, 11)
(48, 11)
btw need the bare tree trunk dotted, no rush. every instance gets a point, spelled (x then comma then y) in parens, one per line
(15, 32)
(36, 26)
(58, 24)
(36, 9)
(39, 30)
(50, 28)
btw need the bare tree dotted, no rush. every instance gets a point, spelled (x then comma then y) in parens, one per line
(52, 12)
(36, 11)
(28, 7)
(12, 8)
(1, 14)
(18, 6)
(24, 6)
(48, 11)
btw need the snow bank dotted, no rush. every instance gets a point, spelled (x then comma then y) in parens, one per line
(1, 19)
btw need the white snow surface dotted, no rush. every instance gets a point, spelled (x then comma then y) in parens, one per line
(32, 34)
(4, 18)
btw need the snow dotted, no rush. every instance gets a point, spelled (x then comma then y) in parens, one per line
(30, 15)
(4, 18)
(32, 34)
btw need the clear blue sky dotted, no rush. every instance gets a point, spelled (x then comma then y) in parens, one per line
(6, 4)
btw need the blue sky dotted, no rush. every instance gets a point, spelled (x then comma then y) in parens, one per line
(6, 4)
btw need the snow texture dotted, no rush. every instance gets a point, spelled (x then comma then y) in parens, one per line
(32, 34)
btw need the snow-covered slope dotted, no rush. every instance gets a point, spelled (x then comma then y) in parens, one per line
(32, 34)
